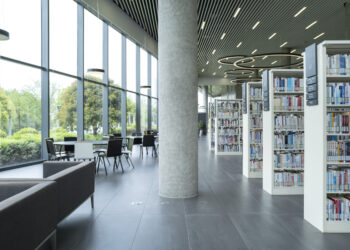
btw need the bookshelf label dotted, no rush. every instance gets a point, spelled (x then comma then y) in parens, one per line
(311, 88)
(311, 75)
(265, 83)
(311, 96)
(244, 98)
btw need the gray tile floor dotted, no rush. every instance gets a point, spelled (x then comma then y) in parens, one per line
(231, 212)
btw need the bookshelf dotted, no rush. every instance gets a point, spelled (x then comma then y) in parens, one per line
(228, 127)
(283, 126)
(252, 131)
(211, 126)
(327, 158)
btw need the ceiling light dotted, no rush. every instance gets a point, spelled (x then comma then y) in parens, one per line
(222, 36)
(202, 70)
(220, 67)
(273, 62)
(260, 70)
(236, 12)
(272, 35)
(214, 73)
(253, 52)
(202, 26)
(293, 51)
(238, 45)
(283, 44)
(310, 25)
(4, 35)
(299, 12)
(253, 66)
(207, 63)
(250, 76)
(213, 51)
(145, 87)
(255, 25)
(318, 36)
(95, 71)
(264, 57)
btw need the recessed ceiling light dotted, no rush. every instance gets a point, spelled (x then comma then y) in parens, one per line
(202, 70)
(207, 62)
(272, 35)
(300, 11)
(239, 45)
(202, 26)
(223, 36)
(225, 76)
(220, 67)
(310, 25)
(318, 36)
(283, 44)
(213, 51)
(260, 70)
(214, 73)
(250, 76)
(293, 51)
(256, 25)
(273, 62)
(236, 12)
(252, 66)
(264, 57)
(253, 52)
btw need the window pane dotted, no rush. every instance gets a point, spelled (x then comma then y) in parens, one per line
(63, 36)
(114, 110)
(22, 19)
(143, 71)
(130, 65)
(154, 114)
(63, 106)
(93, 36)
(130, 113)
(20, 113)
(92, 111)
(115, 57)
(154, 77)
(144, 114)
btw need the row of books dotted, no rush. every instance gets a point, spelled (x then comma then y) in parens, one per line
(256, 122)
(256, 107)
(256, 164)
(256, 151)
(290, 140)
(255, 93)
(289, 160)
(338, 180)
(228, 148)
(288, 179)
(289, 103)
(228, 131)
(338, 148)
(228, 105)
(338, 123)
(338, 93)
(228, 122)
(228, 139)
(338, 64)
(285, 122)
(255, 136)
(338, 208)
(229, 114)
(290, 84)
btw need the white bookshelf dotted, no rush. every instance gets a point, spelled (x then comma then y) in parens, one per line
(228, 127)
(211, 125)
(251, 162)
(317, 163)
(270, 166)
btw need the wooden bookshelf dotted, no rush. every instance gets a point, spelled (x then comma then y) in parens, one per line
(317, 161)
(252, 128)
(277, 169)
(228, 127)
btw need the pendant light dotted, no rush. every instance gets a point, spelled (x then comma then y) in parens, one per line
(145, 87)
(4, 35)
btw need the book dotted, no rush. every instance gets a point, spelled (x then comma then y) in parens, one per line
(338, 148)
(289, 122)
(288, 179)
(289, 161)
(288, 103)
(288, 84)
(338, 208)
(289, 140)
(338, 93)
(338, 64)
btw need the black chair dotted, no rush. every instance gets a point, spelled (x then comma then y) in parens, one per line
(117, 135)
(114, 149)
(69, 149)
(138, 140)
(148, 141)
(51, 150)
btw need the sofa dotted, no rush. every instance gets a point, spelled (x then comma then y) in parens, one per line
(28, 212)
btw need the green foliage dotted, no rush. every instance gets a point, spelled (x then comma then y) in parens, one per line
(2, 134)
(5, 110)
(200, 124)
(59, 133)
(24, 131)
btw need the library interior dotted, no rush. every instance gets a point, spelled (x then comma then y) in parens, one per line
(180, 125)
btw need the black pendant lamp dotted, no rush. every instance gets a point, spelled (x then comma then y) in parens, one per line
(4, 35)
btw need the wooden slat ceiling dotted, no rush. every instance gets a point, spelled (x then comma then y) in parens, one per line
(274, 16)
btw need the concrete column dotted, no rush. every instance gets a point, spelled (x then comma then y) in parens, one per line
(347, 20)
(178, 81)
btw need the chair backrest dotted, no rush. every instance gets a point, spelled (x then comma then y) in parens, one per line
(130, 144)
(148, 141)
(114, 147)
(117, 135)
(136, 134)
(50, 147)
(83, 150)
(69, 148)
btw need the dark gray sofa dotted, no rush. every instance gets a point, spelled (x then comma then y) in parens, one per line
(28, 212)
(75, 184)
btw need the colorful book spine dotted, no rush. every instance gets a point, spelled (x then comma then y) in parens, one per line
(338, 64)
(338, 123)
(289, 103)
(338, 148)
(256, 151)
(292, 122)
(255, 136)
(256, 165)
(289, 140)
(255, 93)
(338, 180)
(256, 122)
(338, 93)
(291, 84)
(289, 179)
(338, 208)
(289, 161)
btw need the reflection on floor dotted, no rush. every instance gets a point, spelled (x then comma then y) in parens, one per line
(231, 212)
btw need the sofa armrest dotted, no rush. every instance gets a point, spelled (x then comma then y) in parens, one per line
(27, 218)
(53, 167)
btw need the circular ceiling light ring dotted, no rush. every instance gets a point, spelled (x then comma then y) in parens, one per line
(239, 72)
(229, 60)
(239, 63)
(243, 80)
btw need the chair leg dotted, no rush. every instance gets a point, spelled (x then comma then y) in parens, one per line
(115, 164)
(98, 164)
(53, 241)
(92, 201)
(104, 164)
(121, 164)
(131, 162)
(127, 157)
